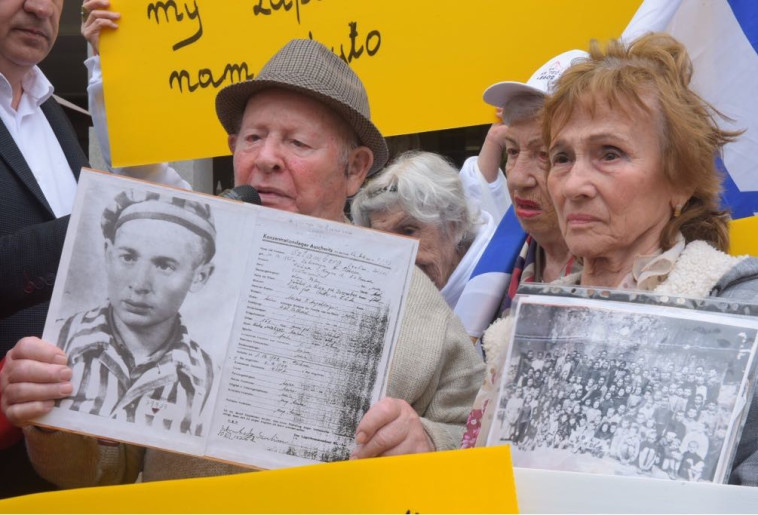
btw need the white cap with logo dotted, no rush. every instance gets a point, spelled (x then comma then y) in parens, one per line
(540, 83)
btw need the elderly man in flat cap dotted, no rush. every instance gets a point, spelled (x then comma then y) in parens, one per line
(133, 357)
(301, 134)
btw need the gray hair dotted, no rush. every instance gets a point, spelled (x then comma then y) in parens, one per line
(427, 188)
(523, 107)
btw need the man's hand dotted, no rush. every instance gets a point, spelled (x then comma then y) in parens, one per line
(390, 427)
(34, 376)
(95, 18)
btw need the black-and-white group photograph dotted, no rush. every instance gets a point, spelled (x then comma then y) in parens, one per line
(644, 393)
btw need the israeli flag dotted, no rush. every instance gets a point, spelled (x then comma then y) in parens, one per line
(480, 300)
(721, 37)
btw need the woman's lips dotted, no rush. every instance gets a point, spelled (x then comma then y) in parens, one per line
(580, 219)
(526, 208)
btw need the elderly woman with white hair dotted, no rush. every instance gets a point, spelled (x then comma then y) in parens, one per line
(421, 195)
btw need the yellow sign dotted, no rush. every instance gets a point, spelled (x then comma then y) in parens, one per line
(425, 63)
(465, 481)
(742, 235)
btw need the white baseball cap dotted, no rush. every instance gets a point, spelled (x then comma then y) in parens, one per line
(541, 81)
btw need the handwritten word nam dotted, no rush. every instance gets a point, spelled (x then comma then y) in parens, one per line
(155, 8)
(275, 5)
(371, 44)
(205, 78)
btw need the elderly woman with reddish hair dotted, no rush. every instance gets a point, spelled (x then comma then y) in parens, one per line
(631, 172)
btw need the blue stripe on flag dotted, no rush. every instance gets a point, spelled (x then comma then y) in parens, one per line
(504, 247)
(746, 13)
(741, 204)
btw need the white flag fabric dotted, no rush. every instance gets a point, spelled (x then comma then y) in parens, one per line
(721, 37)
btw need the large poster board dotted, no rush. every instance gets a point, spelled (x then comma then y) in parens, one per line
(215, 328)
(425, 64)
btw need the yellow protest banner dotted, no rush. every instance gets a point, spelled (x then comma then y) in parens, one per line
(425, 63)
(465, 481)
(742, 236)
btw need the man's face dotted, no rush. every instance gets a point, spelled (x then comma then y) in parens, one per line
(27, 32)
(292, 149)
(151, 265)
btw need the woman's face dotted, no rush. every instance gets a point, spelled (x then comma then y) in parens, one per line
(526, 173)
(607, 182)
(437, 255)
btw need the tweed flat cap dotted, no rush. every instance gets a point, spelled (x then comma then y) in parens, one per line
(308, 67)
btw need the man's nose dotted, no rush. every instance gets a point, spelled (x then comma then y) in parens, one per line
(270, 157)
(142, 278)
(40, 8)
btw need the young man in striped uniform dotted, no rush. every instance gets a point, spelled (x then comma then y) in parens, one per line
(135, 359)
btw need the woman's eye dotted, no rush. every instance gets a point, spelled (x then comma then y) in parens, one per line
(611, 154)
(511, 152)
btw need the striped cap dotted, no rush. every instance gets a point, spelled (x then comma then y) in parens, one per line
(140, 205)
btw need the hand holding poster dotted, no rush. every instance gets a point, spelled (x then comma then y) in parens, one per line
(425, 64)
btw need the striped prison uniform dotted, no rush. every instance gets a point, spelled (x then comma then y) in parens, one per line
(170, 390)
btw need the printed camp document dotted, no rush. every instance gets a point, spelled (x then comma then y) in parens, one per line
(221, 329)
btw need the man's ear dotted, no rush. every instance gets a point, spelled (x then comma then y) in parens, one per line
(358, 164)
(202, 274)
(232, 142)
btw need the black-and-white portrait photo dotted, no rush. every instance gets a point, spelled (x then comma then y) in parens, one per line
(623, 392)
(138, 259)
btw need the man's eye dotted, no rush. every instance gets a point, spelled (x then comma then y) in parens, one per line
(165, 266)
(511, 152)
(127, 258)
(299, 144)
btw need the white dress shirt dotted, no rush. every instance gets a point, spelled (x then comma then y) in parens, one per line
(35, 138)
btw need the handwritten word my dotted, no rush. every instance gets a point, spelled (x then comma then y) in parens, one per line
(206, 79)
(154, 9)
(371, 44)
(275, 5)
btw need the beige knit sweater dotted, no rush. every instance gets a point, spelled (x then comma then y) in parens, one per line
(435, 369)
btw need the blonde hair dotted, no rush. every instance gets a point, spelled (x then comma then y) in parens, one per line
(656, 66)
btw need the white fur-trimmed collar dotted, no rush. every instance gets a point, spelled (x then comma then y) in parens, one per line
(697, 270)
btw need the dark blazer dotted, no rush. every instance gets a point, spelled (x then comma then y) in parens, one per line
(31, 238)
